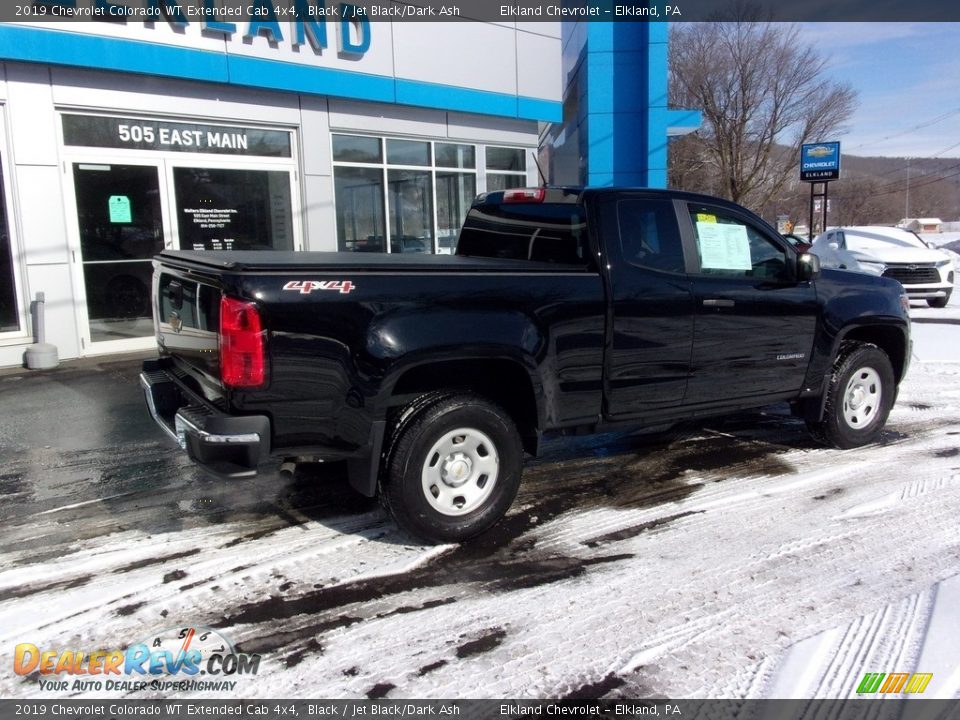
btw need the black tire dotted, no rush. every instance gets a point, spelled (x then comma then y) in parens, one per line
(861, 392)
(939, 302)
(467, 451)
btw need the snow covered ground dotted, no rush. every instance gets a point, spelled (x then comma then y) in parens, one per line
(736, 560)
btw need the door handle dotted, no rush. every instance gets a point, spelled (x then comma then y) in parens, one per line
(714, 302)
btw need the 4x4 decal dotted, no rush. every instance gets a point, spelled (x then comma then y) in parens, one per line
(305, 287)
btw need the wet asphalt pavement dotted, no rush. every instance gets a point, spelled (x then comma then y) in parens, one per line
(110, 534)
(80, 449)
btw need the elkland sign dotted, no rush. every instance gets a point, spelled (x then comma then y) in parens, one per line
(820, 162)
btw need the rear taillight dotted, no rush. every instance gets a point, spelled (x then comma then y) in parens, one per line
(524, 195)
(243, 357)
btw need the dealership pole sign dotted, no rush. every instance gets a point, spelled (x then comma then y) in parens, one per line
(820, 162)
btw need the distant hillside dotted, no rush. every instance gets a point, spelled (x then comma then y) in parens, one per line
(874, 191)
(888, 189)
(871, 191)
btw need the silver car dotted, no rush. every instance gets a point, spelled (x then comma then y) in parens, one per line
(925, 273)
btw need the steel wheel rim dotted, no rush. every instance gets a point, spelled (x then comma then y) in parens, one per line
(861, 398)
(460, 472)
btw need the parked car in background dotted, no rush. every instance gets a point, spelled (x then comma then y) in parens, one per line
(926, 273)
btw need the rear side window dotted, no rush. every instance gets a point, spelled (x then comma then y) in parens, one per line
(542, 232)
(649, 237)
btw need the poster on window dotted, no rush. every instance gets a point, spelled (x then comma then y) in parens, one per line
(723, 247)
(226, 209)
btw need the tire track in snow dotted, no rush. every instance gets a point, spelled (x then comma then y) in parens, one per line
(759, 546)
(674, 638)
(913, 491)
(889, 501)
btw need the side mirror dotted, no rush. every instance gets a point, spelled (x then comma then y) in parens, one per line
(808, 267)
(833, 246)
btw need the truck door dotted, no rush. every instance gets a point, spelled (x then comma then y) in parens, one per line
(755, 322)
(648, 356)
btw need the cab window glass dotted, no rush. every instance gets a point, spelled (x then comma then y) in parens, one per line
(730, 247)
(543, 232)
(649, 236)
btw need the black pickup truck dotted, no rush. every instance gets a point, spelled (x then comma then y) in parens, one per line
(563, 311)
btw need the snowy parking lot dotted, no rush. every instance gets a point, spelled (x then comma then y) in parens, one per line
(735, 559)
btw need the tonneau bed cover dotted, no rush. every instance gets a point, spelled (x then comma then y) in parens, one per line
(282, 260)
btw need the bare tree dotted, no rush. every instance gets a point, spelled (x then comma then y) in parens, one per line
(763, 93)
(855, 201)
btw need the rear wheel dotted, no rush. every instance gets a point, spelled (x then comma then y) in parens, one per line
(859, 397)
(453, 468)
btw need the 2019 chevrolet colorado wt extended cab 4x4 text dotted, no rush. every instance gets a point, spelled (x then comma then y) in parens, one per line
(563, 310)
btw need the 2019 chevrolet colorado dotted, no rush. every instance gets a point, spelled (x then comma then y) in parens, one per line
(563, 310)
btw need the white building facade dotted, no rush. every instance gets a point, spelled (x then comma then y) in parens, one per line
(118, 140)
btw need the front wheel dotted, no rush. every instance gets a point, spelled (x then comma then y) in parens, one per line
(453, 468)
(859, 397)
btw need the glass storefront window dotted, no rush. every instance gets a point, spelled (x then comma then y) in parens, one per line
(355, 148)
(224, 209)
(408, 152)
(455, 192)
(384, 204)
(505, 182)
(506, 168)
(513, 159)
(411, 211)
(450, 155)
(360, 217)
(9, 312)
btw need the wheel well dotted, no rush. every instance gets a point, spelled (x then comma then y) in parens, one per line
(504, 382)
(889, 339)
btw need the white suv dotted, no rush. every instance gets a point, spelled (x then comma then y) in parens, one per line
(925, 273)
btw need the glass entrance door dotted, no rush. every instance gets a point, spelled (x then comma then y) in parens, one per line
(127, 213)
(121, 228)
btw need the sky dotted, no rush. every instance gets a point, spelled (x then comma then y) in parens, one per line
(908, 79)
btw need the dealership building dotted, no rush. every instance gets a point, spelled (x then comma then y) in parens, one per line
(340, 132)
